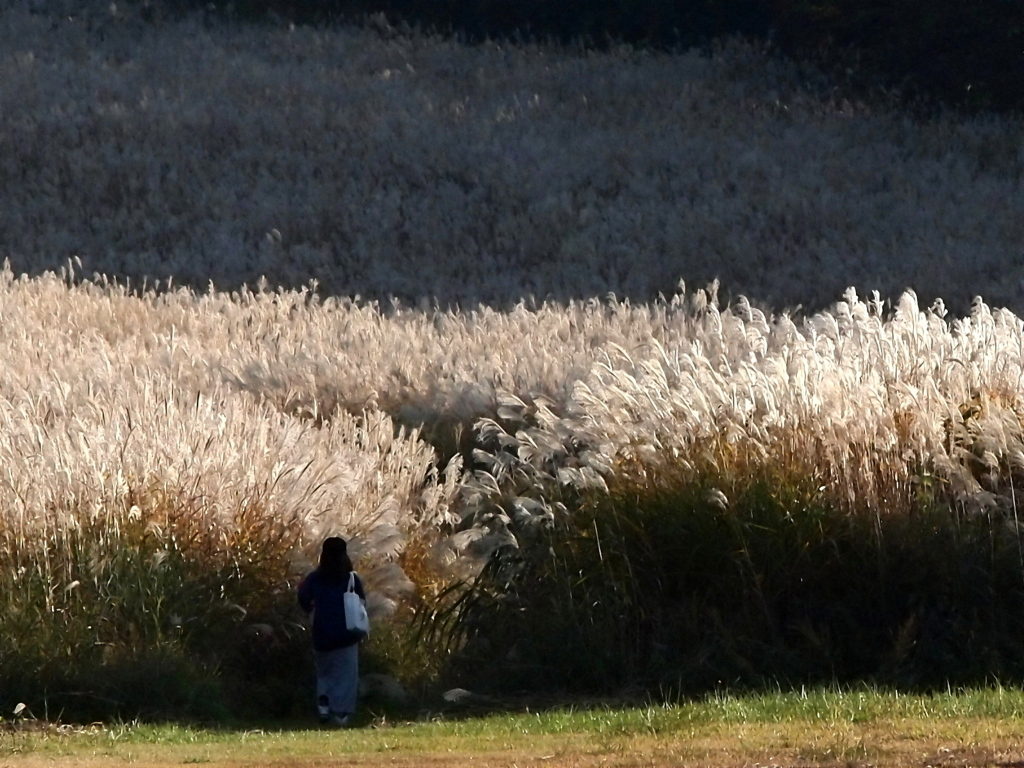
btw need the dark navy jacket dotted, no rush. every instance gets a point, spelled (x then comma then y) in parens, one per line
(325, 597)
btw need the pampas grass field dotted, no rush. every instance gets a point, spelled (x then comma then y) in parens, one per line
(386, 164)
(268, 283)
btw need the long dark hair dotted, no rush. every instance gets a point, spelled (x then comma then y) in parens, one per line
(335, 563)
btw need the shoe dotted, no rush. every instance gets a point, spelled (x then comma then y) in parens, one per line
(341, 720)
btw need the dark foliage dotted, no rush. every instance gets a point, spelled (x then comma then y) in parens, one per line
(968, 54)
(963, 54)
(664, 591)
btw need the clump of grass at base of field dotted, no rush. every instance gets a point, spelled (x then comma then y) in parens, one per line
(680, 585)
(150, 611)
(766, 503)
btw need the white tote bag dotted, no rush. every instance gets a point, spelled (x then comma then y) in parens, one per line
(356, 619)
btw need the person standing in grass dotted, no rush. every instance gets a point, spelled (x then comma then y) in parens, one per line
(335, 647)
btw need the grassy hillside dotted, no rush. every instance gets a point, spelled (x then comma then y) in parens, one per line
(410, 166)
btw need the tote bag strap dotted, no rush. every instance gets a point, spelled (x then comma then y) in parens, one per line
(351, 581)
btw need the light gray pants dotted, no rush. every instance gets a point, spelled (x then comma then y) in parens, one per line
(337, 678)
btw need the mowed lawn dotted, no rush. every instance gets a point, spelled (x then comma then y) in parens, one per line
(859, 728)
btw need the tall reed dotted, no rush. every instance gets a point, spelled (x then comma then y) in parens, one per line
(758, 499)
